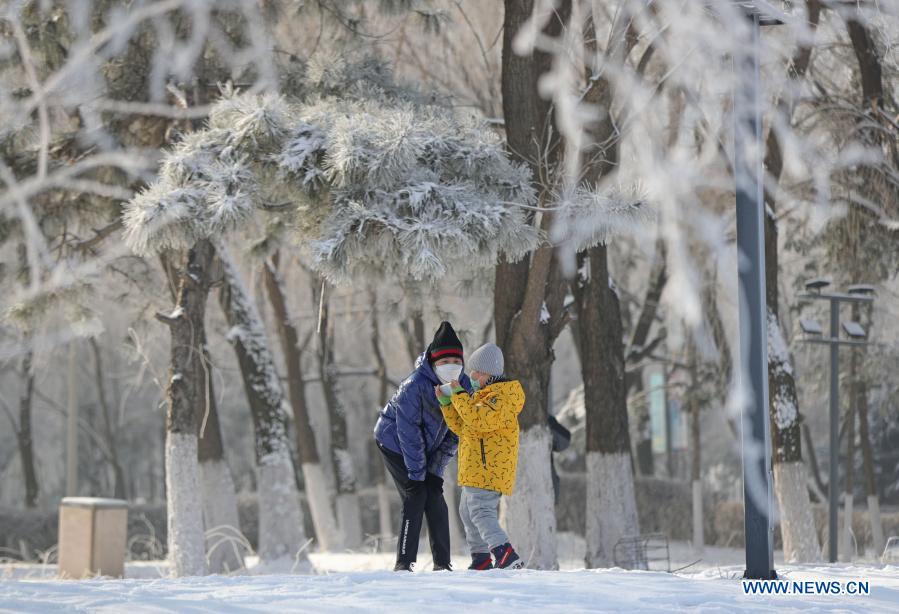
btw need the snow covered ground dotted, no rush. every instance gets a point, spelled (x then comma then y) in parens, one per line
(360, 582)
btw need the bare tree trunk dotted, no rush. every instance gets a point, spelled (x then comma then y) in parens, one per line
(108, 429)
(72, 421)
(724, 372)
(864, 436)
(846, 547)
(693, 410)
(317, 493)
(790, 478)
(24, 434)
(529, 289)
(611, 500)
(877, 536)
(385, 521)
(186, 541)
(869, 63)
(813, 463)
(413, 331)
(281, 534)
(349, 513)
(220, 516)
(638, 351)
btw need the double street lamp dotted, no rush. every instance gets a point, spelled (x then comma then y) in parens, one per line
(855, 335)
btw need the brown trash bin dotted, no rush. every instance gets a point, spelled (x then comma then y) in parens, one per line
(92, 533)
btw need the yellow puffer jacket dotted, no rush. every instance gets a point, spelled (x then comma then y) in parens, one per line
(487, 425)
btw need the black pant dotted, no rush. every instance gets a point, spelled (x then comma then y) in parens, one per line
(419, 498)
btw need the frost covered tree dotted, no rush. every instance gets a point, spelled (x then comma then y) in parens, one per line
(280, 516)
(611, 499)
(184, 506)
(529, 295)
(375, 181)
(580, 213)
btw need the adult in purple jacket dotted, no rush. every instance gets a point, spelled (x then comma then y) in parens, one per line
(417, 445)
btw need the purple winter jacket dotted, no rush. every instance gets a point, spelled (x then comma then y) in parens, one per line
(412, 424)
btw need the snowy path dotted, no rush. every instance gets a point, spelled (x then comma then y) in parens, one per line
(717, 590)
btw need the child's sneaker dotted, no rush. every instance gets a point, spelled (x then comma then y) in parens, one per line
(506, 557)
(481, 561)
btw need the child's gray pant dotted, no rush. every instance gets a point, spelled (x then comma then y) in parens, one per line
(479, 510)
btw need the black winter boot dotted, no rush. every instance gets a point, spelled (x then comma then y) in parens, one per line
(403, 566)
(481, 561)
(443, 567)
(506, 557)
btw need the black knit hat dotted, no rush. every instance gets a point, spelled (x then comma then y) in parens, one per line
(445, 344)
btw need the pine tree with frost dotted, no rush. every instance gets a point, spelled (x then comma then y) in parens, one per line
(375, 181)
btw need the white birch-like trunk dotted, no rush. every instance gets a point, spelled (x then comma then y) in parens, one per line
(876, 525)
(224, 541)
(846, 549)
(800, 538)
(698, 533)
(281, 534)
(186, 543)
(349, 518)
(319, 498)
(611, 506)
(529, 514)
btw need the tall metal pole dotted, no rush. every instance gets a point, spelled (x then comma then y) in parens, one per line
(834, 428)
(753, 316)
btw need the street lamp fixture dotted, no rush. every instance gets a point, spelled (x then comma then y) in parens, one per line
(816, 285)
(860, 289)
(859, 293)
(811, 327)
(854, 330)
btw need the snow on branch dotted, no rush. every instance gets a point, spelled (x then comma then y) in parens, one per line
(589, 217)
(376, 183)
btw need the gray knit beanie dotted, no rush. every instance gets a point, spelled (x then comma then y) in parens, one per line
(487, 359)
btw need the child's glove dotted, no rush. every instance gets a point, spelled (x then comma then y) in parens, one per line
(443, 399)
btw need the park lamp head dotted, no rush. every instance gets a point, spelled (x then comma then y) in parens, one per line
(810, 327)
(854, 330)
(816, 285)
(860, 289)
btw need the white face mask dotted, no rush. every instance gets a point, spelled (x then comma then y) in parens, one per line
(448, 373)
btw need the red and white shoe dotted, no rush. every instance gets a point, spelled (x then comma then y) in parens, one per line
(506, 557)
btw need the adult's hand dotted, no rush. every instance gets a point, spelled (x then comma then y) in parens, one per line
(434, 480)
(415, 487)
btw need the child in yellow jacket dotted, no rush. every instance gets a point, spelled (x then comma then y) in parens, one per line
(486, 422)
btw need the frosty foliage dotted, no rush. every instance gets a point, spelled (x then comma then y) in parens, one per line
(591, 217)
(374, 181)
